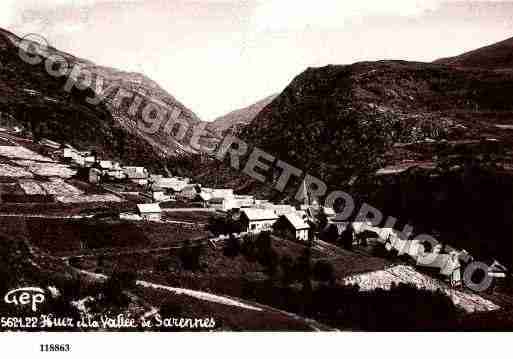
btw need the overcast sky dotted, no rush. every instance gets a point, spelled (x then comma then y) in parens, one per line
(219, 55)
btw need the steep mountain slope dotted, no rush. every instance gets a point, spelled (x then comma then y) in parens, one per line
(341, 121)
(498, 56)
(40, 104)
(444, 134)
(239, 118)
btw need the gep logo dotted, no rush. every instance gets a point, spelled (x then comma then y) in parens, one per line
(24, 296)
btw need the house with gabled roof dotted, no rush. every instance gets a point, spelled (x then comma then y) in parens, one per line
(221, 203)
(244, 201)
(189, 192)
(149, 211)
(292, 226)
(139, 175)
(158, 194)
(171, 185)
(256, 220)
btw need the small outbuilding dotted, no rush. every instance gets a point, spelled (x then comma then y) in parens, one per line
(94, 175)
(149, 211)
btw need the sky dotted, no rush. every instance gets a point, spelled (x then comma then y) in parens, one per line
(216, 56)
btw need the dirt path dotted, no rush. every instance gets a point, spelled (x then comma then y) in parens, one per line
(208, 210)
(214, 298)
(26, 215)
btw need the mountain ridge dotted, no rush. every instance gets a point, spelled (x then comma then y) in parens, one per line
(115, 128)
(497, 56)
(240, 117)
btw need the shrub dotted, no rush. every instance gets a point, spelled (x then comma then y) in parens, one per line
(271, 261)
(330, 234)
(264, 249)
(232, 247)
(303, 268)
(248, 248)
(116, 284)
(287, 269)
(324, 272)
(171, 309)
(190, 256)
(162, 264)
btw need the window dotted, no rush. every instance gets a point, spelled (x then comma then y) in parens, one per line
(253, 226)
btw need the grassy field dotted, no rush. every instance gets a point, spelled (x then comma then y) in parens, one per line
(4, 142)
(200, 217)
(75, 236)
(62, 209)
(227, 318)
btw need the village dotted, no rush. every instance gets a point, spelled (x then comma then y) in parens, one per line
(120, 216)
(248, 215)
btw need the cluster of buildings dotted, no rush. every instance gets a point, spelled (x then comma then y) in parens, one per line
(104, 170)
(441, 260)
(255, 215)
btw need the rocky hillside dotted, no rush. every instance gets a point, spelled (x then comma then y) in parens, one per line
(239, 118)
(440, 136)
(343, 121)
(39, 103)
(498, 56)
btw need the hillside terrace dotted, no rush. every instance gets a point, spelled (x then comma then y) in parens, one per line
(35, 166)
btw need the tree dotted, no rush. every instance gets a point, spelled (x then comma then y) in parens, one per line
(287, 269)
(303, 268)
(263, 246)
(196, 253)
(162, 264)
(223, 225)
(322, 221)
(271, 261)
(190, 256)
(346, 238)
(330, 234)
(171, 309)
(118, 282)
(232, 247)
(324, 272)
(248, 248)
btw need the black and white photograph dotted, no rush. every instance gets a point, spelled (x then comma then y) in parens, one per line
(264, 166)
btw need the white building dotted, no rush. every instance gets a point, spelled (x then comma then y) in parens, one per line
(149, 212)
(171, 184)
(108, 165)
(158, 194)
(243, 201)
(446, 265)
(139, 175)
(293, 227)
(255, 220)
(116, 174)
(281, 209)
(189, 192)
(89, 161)
(74, 156)
(222, 203)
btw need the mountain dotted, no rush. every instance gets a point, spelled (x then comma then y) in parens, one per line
(342, 121)
(239, 118)
(428, 143)
(498, 56)
(39, 103)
